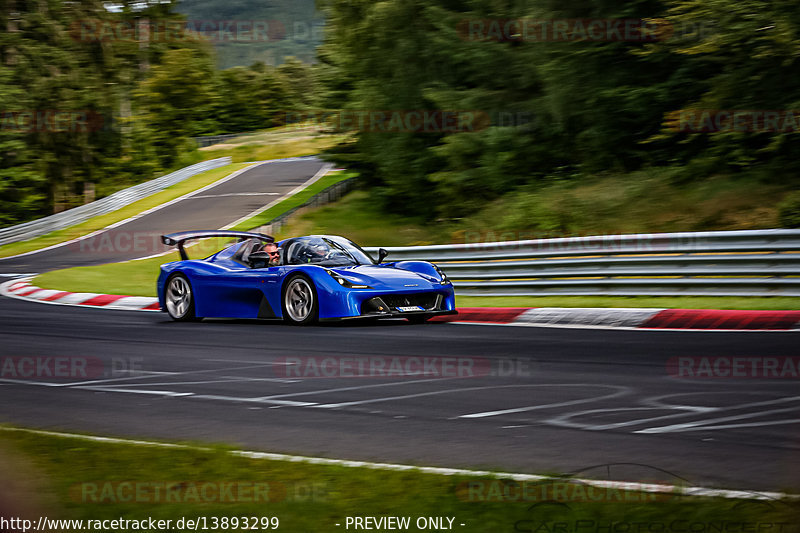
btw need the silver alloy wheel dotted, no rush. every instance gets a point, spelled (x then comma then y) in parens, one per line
(179, 297)
(299, 299)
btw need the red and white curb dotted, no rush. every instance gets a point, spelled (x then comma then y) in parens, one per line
(604, 318)
(628, 318)
(23, 289)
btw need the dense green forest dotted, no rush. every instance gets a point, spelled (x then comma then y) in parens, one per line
(88, 105)
(555, 93)
(297, 29)
(588, 105)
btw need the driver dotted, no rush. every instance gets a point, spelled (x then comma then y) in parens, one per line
(274, 253)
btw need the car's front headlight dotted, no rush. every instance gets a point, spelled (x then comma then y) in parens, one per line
(346, 283)
(444, 281)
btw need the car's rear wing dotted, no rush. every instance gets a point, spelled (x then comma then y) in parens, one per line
(178, 239)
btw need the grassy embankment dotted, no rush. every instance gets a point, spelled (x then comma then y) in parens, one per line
(314, 497)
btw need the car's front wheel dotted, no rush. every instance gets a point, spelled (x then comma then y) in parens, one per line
(179, 298)
(300, 304)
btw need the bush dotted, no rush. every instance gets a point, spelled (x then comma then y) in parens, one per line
(789, 211)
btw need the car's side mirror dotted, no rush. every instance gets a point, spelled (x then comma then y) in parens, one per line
(258, 260)
(382, 253)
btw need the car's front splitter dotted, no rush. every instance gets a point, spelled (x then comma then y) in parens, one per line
(397, 314)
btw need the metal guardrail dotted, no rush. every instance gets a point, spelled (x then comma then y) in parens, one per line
(119, 199)
(209, 140)
(718, 263)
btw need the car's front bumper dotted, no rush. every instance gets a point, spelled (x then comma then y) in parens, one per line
(393, 314)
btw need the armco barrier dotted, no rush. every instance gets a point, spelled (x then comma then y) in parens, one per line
(718, 263)
(110, 203)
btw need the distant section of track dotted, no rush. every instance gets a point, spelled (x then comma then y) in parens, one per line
(212, 208)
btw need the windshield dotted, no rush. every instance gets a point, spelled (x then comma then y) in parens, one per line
(326, 251)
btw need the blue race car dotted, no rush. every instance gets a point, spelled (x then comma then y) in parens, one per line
(317, 278)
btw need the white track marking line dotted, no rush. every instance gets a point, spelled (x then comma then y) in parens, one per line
(155, 374)
(249, 361)
(321, 172)
(226, 379)
(654, 404)
(564, 421)
(289, 403)
(169, 393)
(78, 384)
(28, 382)
(109, 380)
(622, 485)
(343, 389)
(236, 194)
(703, 424)
(193, 395)
(748, 425)
(420, 394)
(621, 391)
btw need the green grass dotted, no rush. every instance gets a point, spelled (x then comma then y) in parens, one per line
(332, 178)
(99, 222)
(645, 201)
(642, 202)
(274, 145)
(307, 497)
(361, 220)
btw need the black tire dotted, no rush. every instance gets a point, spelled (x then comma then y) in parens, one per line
(418, 319)
(179, 298)
(299, 301)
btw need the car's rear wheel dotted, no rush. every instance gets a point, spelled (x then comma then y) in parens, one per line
(300, 304)
(179, 298)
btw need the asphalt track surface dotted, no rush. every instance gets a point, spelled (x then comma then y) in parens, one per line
(520, 399)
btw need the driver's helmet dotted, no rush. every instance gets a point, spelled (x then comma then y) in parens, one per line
(319, 249)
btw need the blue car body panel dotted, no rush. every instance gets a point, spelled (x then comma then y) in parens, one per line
(225, 288)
